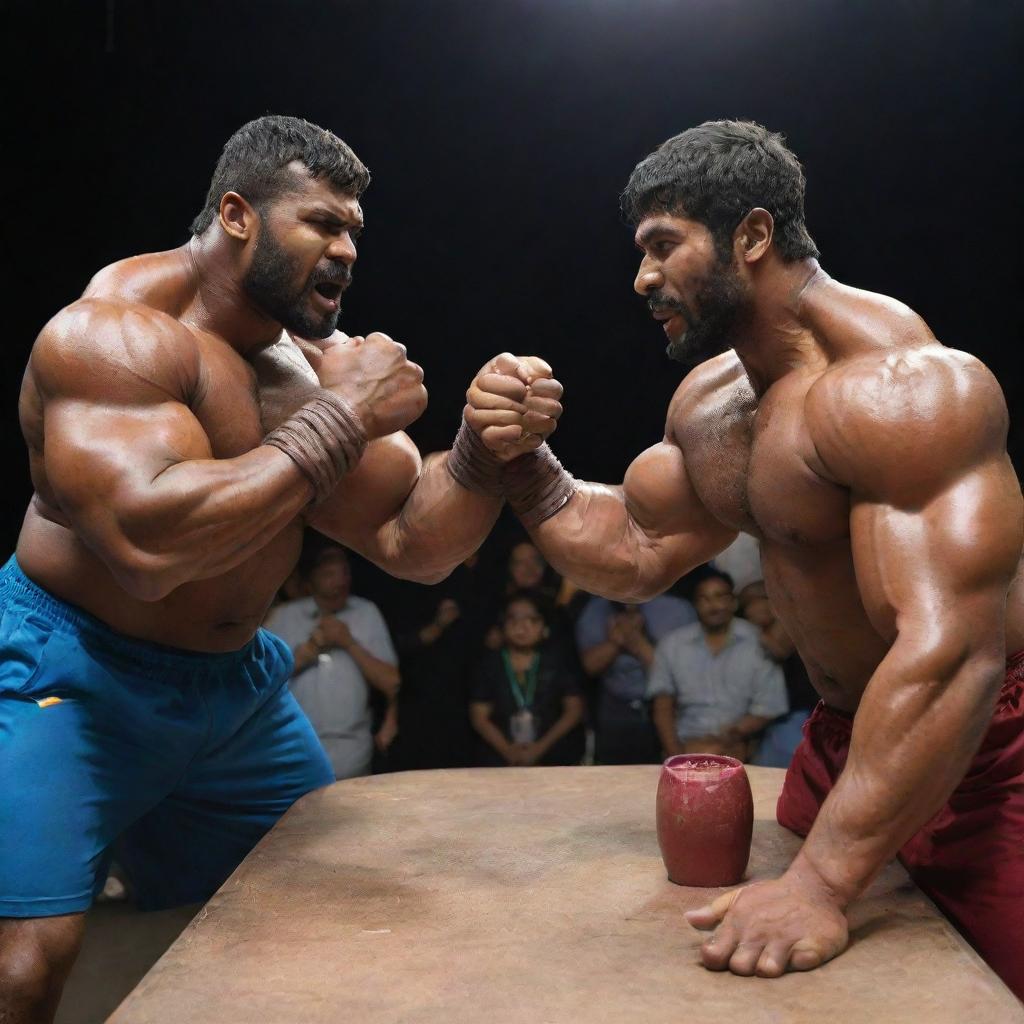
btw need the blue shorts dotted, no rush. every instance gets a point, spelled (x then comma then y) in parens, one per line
(184, 759)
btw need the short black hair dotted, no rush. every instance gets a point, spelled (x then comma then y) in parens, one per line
(534, 597)
(716, 174)
(709, 572)
(254, 163)
(315, 549)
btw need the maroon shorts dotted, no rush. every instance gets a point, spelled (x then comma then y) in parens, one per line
(970, 857)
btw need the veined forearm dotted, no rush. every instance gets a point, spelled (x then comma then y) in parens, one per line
(912, 744)
(439, 525)
(594, 542)
(199, 519)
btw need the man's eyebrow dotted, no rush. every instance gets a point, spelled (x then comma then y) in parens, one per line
(336, 219)
(650, 233)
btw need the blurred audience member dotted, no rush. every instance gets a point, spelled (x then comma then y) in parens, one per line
(341, 648)
(714, 688)
(616, 647)
(439, 644)
(527, 706)
(741, 561)
(782, 737)
(528, 571)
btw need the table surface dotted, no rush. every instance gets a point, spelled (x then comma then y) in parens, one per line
(526, 896)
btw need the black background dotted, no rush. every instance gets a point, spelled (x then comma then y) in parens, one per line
(499, 133)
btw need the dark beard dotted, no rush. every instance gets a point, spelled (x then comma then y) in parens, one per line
(269, 282)
(712, 319)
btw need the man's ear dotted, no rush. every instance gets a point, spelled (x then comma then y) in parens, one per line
(753, 236)
(238, 217)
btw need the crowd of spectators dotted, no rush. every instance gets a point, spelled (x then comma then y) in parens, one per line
(506, 664)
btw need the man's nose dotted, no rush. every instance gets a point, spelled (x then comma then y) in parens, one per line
(649, 278)
(342, 250)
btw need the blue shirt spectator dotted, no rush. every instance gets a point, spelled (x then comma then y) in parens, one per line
(616, 645)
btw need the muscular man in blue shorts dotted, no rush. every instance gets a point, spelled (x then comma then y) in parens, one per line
(181, 435)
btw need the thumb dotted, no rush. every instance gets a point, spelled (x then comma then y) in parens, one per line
(707, 917)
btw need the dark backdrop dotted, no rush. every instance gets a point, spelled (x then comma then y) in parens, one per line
(499, 133)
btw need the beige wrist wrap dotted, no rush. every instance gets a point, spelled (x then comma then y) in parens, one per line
(324, 438)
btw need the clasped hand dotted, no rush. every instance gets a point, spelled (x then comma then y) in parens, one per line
(332, 632)
(513, 404)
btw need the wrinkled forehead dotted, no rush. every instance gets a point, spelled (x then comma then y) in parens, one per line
(306, 192)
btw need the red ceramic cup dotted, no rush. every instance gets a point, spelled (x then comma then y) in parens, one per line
(705, 819)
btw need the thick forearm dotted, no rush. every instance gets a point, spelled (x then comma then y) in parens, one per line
(594, 542)
(439, 525)
(198, 519)
(912, 744)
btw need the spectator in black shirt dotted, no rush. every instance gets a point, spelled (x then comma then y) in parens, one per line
(527, 705)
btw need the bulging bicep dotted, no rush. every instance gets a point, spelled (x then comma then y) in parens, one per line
(96, 454)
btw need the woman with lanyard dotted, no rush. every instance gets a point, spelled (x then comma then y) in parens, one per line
(527, 705)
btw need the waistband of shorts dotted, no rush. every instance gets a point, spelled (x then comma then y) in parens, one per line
(16, 586)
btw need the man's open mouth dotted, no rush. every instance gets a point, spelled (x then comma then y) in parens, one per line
(330, 290)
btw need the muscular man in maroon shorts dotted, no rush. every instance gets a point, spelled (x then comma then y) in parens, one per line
(870, 461)
(180, 439)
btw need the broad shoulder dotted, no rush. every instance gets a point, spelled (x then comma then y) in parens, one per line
(97, 346)
(898, 416)
(159, 280)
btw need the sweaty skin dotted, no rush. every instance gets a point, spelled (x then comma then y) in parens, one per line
(870, 462)
(156, 508)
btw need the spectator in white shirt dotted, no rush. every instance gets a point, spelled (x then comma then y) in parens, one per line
(342, 648)
(714, 688)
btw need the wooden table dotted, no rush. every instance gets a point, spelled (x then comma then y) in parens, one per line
(526, 896)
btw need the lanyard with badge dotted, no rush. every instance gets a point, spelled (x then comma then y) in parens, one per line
(521, 724)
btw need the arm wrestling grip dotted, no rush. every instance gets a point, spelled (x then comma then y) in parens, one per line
(537, 486)
(324, 438)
